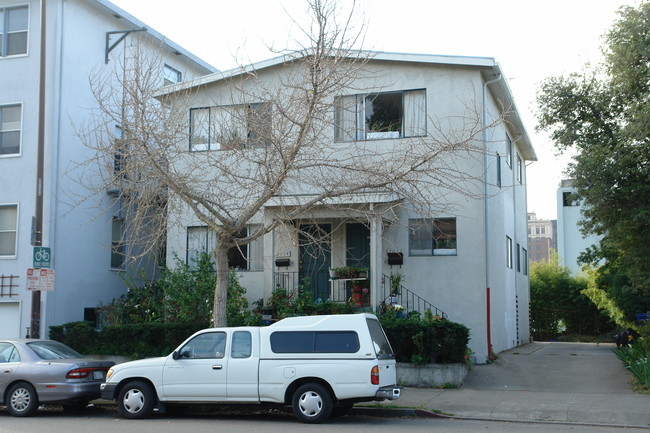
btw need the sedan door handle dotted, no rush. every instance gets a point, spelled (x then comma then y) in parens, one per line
(217, 367)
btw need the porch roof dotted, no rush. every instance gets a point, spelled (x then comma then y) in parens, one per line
(294, 200)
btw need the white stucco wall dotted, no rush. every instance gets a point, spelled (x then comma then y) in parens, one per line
(78, 233)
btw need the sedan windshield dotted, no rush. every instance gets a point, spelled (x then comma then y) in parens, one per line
(52, 350)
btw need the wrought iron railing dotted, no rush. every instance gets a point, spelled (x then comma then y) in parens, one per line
(407, 300)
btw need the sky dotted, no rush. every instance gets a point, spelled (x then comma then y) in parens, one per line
(531, 40)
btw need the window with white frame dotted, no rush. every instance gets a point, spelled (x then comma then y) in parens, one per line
(14, 22)
(432, 237)
(8, 230)
(230, 127)
(518, 258)
(171, 75)
(508, 151)
(379, 116)
(509, 252)
(10, 129)
(117, 243)
(247, 257)
(520, 169)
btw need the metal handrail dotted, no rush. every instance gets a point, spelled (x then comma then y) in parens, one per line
(408, 300)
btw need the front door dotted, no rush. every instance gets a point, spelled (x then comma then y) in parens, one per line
(316, 258)
(199, 372)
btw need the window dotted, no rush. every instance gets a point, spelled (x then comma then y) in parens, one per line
(432, 237)
(117, 243)
(241, 345)
(498, 170)
(381, 115)
(509, 252)
(8, 353)
(211, 345)
(520, 169)
(518, 258)
(247, 257)
(525, 260)
(508, 151)
(171, 75)
(230, 127)
(315, 342)
(569, 199)
(10, 129)
(13, 31)
(120, 155)
(8, 230)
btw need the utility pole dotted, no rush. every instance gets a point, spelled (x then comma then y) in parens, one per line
(38, 218)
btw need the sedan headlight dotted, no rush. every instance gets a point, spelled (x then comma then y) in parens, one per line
(109, 374)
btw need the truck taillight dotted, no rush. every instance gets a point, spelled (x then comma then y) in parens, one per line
(374, 375)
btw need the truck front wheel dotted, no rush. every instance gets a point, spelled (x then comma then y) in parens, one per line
(136, 400)
(312, 403)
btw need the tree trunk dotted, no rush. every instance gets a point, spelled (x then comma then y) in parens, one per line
(219, 317)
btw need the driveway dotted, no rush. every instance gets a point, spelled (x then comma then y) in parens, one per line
(560, 382)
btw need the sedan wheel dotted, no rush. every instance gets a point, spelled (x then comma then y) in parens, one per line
(136, 400)
(312, 403)
(22, 400)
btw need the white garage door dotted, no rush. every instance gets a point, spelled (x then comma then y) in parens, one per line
(9, 319)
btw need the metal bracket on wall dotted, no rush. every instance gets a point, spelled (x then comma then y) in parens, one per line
(123, 33)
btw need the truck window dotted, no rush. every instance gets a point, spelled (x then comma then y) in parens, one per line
(379, 340)
(241, 345)
(208, 345)
(314, 342)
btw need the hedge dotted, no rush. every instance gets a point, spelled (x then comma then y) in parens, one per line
(414, 340)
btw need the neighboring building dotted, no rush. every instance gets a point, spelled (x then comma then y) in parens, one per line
(85, 241)
(471, 263)
(570, 240)
(542, 238)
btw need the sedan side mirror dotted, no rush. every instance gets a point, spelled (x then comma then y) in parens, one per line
(175, 355)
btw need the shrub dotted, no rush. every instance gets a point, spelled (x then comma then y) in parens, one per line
(421, 341)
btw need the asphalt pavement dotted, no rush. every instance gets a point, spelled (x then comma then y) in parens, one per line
(580, 383)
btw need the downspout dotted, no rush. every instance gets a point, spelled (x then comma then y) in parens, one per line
(486, 208)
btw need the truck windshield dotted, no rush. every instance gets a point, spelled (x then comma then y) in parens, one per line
(379, 340)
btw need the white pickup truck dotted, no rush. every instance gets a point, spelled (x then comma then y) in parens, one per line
(319, 365)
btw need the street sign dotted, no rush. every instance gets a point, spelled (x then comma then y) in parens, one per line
(40, 279)
(42, 257)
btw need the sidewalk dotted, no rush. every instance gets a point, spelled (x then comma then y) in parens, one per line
(561, 382)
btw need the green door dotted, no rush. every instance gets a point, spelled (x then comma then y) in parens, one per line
(357, 245)
(315, 258)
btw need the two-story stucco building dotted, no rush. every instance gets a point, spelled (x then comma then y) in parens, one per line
(45, 97)
(462, 247)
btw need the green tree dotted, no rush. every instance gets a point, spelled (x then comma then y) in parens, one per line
(557, 300)
(604, 116)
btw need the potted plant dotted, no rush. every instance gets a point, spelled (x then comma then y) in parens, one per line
(396, 283)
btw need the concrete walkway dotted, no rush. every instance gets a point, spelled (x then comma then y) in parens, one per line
(562, 382)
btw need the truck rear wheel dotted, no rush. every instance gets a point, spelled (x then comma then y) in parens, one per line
(312, 403)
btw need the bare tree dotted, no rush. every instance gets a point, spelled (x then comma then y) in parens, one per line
(274, 132)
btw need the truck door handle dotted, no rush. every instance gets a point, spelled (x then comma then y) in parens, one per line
(217, 367)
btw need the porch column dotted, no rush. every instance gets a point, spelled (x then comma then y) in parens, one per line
(376, 260)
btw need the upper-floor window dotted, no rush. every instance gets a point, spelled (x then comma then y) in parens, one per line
(8, 230)
(171, 75)
(247, 257)
(229, 127)
(117, 243)
(498, 170)
(520, 169)
(509, 252)
(432, 237)
(508, 151)
(377, 116)
(10, 129)
(13, 30)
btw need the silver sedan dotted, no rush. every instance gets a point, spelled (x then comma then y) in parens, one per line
(34, 372)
